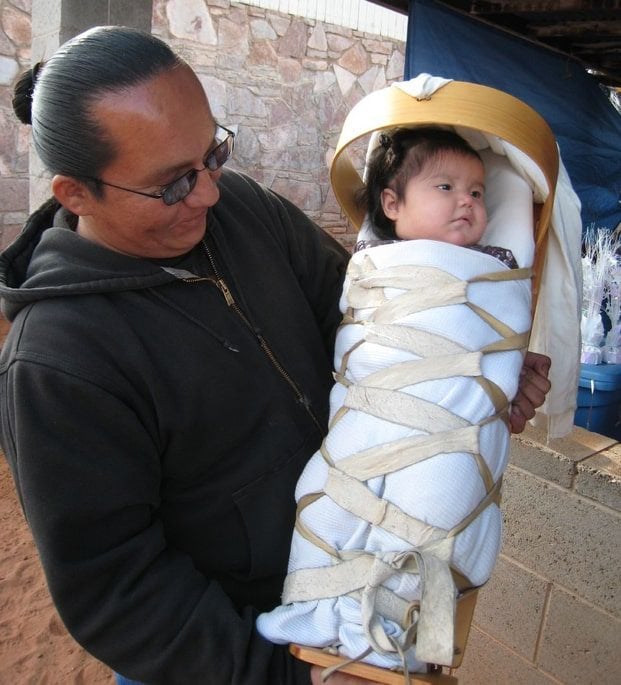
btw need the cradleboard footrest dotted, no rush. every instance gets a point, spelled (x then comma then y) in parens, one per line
(319, 657)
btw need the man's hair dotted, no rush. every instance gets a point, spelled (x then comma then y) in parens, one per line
(57, 98)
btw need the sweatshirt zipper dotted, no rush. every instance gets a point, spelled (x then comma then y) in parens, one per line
(230, 301)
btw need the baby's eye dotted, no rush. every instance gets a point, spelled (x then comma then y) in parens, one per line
(477, 194)
(444, 186)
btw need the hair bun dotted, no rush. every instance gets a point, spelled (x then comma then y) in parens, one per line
(22, 95)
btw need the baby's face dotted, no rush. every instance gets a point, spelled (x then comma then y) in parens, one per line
(444, 202)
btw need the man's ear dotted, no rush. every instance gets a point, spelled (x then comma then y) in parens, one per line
(73, 194)
(390, 203)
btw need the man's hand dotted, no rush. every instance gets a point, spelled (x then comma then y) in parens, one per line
(533, 388)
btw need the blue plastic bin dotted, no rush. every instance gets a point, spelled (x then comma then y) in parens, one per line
(599, 399)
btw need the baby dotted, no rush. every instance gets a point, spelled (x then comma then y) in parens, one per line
(398, 510)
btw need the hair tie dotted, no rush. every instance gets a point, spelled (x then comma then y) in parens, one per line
(33, 80)
(385, 141)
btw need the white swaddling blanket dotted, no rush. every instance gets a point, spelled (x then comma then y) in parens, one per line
(441, 490)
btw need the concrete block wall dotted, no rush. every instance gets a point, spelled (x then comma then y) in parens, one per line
(551, 612)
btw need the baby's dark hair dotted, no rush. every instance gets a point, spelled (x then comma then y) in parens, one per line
(401, 154)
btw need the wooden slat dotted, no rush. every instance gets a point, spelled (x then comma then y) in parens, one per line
(372, 673)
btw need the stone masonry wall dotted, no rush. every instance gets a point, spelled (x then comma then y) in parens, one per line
(285, 83)
(14, 58)
(551, 613)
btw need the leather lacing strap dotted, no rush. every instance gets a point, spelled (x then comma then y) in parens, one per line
(428, 623)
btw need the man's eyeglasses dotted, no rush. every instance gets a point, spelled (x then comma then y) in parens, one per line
(181, 187)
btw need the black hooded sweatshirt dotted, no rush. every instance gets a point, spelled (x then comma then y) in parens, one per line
(156, 416)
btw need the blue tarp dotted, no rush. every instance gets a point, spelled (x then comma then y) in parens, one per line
(444, 42)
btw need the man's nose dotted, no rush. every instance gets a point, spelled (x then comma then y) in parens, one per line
(205, 193)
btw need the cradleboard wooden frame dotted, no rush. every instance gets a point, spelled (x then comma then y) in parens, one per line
(465, 610)
(458, 104)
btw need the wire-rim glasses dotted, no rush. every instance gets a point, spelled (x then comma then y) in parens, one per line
(181, 187)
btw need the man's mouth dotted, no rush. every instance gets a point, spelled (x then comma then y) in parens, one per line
(194, 219)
